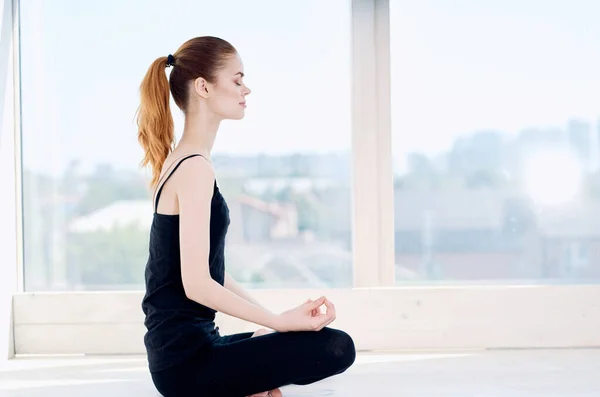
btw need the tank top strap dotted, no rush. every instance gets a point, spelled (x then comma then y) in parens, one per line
(178, 162)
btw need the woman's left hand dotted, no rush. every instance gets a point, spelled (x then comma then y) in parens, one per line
(260, 332)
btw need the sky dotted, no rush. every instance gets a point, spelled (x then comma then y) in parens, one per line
(457, 66)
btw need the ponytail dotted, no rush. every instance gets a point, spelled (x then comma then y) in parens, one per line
(154, 119)
(197, 57)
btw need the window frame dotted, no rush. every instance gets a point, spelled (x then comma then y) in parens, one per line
(10, 241)
(380, 315)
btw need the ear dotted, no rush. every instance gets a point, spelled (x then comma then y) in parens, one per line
(202, 87)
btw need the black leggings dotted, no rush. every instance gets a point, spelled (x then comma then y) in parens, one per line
(238, 365)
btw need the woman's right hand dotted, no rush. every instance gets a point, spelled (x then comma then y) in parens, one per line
(307, 317)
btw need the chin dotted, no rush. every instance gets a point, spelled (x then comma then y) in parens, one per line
(232, 115)
(238, 116)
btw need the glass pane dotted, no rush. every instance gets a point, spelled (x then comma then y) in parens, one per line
(496, 111)
(284, 169)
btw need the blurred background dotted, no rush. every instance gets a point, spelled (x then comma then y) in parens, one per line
(495, 140)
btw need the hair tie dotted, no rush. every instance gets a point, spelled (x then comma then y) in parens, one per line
(170, 60)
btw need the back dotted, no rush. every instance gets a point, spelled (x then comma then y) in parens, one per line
(177, 326)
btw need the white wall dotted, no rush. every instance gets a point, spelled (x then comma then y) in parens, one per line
(378, 319)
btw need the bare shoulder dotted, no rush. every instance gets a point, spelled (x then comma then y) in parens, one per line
(194, 180)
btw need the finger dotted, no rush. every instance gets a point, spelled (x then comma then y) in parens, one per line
(329, 316)
(312, 312)
(331, 319)
(319, 321)
(330, 308)
(331, 311)
(317, 303)
(258, 332)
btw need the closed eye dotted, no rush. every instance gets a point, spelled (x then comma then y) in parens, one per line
(241, 75)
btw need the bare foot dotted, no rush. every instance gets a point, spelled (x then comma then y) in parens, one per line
(273, 393)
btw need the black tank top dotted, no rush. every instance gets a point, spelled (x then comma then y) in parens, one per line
(177, 326)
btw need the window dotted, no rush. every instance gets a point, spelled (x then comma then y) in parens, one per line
(477, 92)
(495, 125)
(284, 169)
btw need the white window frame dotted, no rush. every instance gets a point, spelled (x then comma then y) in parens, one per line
(9, 179)
(379, 315)
(373, 198)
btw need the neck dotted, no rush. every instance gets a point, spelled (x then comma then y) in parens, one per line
(199, 133)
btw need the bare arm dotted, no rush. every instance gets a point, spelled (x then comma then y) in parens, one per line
(237, 289)
(195, 182)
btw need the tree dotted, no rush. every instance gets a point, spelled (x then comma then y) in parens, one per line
(108, 257)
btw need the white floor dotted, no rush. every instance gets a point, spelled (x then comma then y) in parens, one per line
(548, 373)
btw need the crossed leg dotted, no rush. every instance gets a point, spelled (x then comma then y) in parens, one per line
(239, 365)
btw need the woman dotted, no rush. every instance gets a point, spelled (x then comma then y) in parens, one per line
(186, 282)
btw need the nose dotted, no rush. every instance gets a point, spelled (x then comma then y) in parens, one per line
(248, 91)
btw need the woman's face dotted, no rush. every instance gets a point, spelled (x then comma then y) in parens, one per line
(227, 96)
